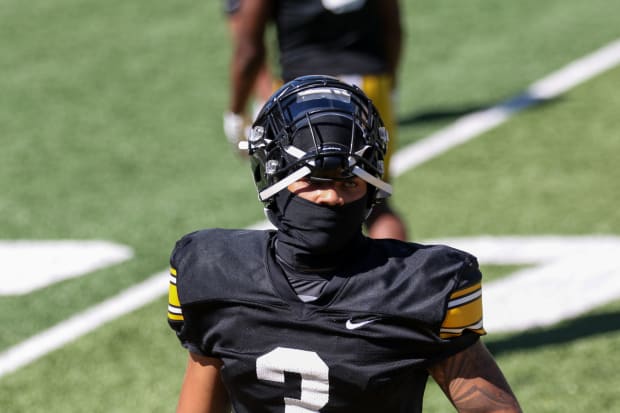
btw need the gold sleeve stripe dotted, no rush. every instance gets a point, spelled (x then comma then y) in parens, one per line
(175, 317)
(173, 296)
(175, 313)
(174, 310)
(475, 326)
(465, 299)
(455, 332)
(464, 313)
(462, 292)
(174, 305)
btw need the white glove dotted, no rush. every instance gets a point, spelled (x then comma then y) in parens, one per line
(235, 126)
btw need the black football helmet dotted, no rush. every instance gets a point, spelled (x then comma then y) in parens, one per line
(311, 127)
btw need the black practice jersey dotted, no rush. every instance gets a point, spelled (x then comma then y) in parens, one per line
(362, 346)
(329, 37)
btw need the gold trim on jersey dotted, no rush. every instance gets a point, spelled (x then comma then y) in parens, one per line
(174, 305)
(464, 313)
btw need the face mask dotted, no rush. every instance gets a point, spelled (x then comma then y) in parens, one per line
(307, 229)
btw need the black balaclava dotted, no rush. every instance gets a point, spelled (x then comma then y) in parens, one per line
(316, 237)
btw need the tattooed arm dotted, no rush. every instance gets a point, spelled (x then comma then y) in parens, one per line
(474, 383)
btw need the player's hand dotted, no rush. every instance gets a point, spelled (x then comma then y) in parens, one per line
(235, 127)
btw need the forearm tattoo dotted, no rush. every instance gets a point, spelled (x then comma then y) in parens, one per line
(474, 383)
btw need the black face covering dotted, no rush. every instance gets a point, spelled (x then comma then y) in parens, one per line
(315, 236)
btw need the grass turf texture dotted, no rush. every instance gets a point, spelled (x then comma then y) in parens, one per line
(111, 129)
(552, 169)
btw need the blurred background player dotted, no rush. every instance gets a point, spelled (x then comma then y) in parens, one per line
(235, 123)
(358, 41)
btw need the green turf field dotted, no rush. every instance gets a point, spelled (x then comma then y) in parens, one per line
(110, 129)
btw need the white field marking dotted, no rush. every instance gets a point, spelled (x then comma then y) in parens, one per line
(409, 157)
(472, 125)
(30, 265)
(82, 323)
(571, 275)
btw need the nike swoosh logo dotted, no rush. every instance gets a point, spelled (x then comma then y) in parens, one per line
(354, 326)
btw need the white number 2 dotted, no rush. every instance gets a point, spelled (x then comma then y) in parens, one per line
(313, 371)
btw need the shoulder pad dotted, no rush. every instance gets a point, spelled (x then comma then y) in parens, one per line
(219, 264)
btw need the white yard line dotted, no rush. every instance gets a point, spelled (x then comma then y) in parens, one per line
(461, 131)
(82, 323)
(474, 124)
(35, 264)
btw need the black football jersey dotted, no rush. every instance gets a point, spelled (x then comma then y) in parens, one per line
(362, 346)
(329, 37)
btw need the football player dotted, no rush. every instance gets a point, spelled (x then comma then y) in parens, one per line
(358, 41)
(236, 124)
(315, 316)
